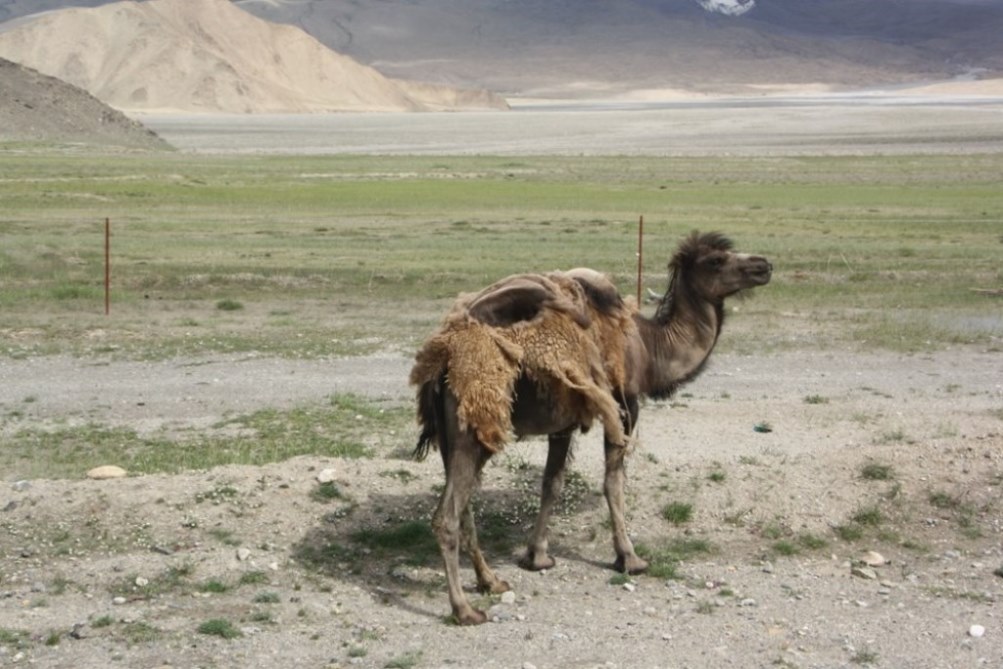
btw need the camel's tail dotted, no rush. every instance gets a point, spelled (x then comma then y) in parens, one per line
(431, 415)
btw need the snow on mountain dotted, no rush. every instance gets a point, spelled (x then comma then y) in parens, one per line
(728, 7)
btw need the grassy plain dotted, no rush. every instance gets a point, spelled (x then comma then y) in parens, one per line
(312, 256)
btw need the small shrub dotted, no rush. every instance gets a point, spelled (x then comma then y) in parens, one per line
(229, 305)
(816, 399)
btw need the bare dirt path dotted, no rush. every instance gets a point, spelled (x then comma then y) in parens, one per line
(123, 572)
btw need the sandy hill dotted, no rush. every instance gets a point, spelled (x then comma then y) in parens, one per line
(38, 108)
(210, 56)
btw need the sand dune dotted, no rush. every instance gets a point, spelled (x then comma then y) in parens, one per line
(210, 56)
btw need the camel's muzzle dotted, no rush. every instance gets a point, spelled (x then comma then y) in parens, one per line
(759, 270)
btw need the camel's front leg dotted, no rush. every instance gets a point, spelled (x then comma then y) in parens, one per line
(536, 557)
(616, 476)
(487, 581)
(463, 465)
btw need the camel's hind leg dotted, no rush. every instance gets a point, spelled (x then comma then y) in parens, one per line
(613, 486)
(487, 581)
(463, 457)
(537, 557)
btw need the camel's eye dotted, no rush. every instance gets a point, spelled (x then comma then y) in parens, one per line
(714, 262)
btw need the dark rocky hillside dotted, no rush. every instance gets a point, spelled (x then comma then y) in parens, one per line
(38, 108)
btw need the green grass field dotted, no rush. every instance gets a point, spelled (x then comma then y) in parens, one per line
(312, 256)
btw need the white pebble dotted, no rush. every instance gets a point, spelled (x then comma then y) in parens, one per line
(326, 475)
(508, 597)
(976, 631)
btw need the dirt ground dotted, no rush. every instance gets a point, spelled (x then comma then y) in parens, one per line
(119, 572)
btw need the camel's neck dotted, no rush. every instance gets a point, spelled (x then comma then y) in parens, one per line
(678, 341)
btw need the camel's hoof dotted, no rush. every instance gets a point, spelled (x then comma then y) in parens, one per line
(471, 616)
(496, 587)
(533, 562)
(630, 564)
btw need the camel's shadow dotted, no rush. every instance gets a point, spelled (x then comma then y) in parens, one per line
(386, 545)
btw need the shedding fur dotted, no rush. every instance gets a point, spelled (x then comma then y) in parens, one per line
(566, 331)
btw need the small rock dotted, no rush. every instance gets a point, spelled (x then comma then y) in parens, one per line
(508, 597)
(20, 486)
(326, 475)
(142, 582)
(106, 472)
(748, 601)
(498, 614)
(864, 572)
(528, 665)
(629, 587)
(78, 631)
(976, 631)
(243, 554)
(873, 559)
(998, 572)
(118, 601)
(11, 505)
(767, 568)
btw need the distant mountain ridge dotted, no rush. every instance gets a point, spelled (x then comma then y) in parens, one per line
(602, 48)
(211, 56)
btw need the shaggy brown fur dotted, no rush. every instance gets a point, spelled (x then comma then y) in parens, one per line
(564, 331)
(548, 354)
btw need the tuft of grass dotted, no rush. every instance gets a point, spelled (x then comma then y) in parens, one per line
(943, 500)
(408, 660)
(678, 513)
(229, 305)
(219, 627)
(663, 560)
(327, 491)
(816, 399)
(849, 532)
(870, 516)
(620, 579)
(785, 548)
(717, 476)
(874, 471)
(253, 578)
(214, 586)
(266, 598)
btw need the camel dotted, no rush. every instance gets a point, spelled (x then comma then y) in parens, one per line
(546, 354)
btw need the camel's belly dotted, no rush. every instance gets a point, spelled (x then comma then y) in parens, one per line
(537, 412)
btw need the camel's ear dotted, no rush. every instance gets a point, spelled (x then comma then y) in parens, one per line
(520, 301)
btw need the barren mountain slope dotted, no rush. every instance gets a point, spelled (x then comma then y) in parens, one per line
(208, 55)
(520, 47)
(35, 107)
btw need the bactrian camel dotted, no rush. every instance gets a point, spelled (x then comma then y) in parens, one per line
(549, 354)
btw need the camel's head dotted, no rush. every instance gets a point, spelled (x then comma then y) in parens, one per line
(709, 268)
